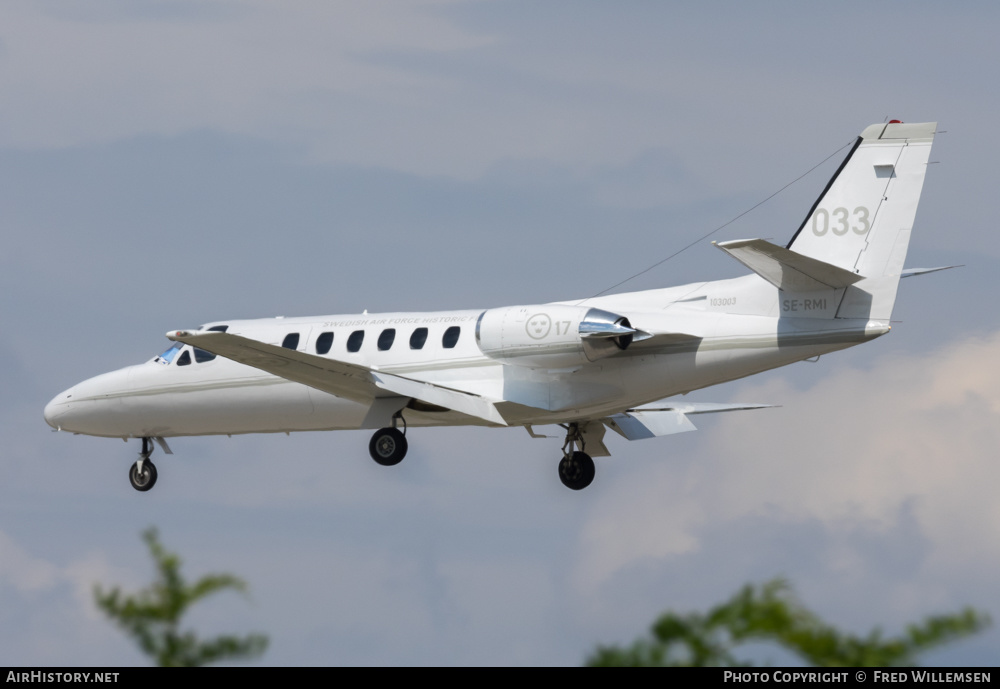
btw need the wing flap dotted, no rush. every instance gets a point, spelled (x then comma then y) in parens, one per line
(464, 402)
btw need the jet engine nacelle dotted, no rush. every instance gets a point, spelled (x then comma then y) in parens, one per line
(552, 335)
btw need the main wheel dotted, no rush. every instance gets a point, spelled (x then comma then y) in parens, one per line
(145, 480)
(388, 446)
(576, 471)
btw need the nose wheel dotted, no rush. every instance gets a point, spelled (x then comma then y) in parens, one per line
(576, 468)
(142, 474)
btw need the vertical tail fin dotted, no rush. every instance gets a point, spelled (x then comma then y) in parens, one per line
(862, 220)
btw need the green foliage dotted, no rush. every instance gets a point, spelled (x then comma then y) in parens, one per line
(772, 613)
(152, 615)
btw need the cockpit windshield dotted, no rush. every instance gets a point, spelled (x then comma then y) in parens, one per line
(169, 355)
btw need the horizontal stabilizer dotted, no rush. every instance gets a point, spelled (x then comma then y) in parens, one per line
(787, 270)
(664, 418)
(910, 272)
(350, 381)
(639, 425)
(700, 407)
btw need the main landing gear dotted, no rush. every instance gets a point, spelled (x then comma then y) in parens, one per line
(142, 474)
(576, 468)
(388, 445)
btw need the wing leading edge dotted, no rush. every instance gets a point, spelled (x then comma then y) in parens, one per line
(351, 381)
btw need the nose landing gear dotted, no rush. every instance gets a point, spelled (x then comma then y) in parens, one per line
(142, 474)
(576, 468)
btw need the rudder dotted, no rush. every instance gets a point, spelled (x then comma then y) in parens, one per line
(862, 220)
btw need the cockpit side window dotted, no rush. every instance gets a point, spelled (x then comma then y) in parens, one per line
(201, 356)
(185, 358)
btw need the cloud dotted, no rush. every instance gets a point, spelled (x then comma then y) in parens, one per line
(112, 72)
(23, 571)
(450, 87)
(28, 574)
(49, 612)
(860, 451)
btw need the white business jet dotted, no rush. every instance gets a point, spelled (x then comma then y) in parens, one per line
(589, 365)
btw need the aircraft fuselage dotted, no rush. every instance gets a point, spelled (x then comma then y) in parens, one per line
(220, 396)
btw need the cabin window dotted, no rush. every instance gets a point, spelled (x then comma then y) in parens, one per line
(185, 358)
(324, 342)
(386, 339)
(201, 356)
(418, 338)
(218, 329)
(291, 341)
(450, 338)
(355, 340)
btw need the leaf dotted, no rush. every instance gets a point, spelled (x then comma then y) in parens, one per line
(772, 613)
(152, 616)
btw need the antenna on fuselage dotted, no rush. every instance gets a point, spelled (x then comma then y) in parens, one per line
(726, 224)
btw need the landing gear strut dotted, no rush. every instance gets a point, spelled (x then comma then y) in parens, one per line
(388, 445)
(576, 468)
(142, 474)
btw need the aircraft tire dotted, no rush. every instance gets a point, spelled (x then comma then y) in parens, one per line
(146, 480)
(388, 446)
(577, 471)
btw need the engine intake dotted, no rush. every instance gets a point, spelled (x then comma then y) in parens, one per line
(552, 335)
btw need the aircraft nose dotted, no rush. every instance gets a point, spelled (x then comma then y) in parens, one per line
(93, 407)
(57, 407)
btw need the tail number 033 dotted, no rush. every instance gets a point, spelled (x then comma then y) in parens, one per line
(843, 221)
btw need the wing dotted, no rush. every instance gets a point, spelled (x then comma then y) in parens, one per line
(379, 390)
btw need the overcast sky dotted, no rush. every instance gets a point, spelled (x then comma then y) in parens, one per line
(165, 164)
